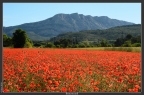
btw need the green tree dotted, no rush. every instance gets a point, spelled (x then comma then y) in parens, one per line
(103, 43)
(5, 37)
(64, 43)
(127, 44)
(50, 45)
(136, 45)
(82, 45)
(128, 37)
(86, 43)
(7, 41)
(76, 46)
(119, 42)
(20, 39)
(28, 45)
(133, 40)
(37, 44)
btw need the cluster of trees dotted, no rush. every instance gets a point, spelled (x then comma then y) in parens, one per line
(67, 43)
(128, 41)
(19, 40)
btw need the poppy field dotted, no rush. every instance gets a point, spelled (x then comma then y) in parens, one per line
(67, 70)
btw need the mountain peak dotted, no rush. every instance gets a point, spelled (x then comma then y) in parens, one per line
(74, 14)
(61, 23)
(104, 17)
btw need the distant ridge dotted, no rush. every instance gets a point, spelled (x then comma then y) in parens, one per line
(61, 23)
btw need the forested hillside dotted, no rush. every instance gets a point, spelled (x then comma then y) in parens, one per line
(107, 34)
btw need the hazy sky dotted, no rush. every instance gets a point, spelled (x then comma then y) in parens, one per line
(20, 13)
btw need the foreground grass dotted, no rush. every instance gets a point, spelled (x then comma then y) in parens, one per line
(128, 49)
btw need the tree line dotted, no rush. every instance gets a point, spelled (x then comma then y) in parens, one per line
(127, 41)
(21, 40)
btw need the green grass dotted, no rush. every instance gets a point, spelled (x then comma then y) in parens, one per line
(127, 49)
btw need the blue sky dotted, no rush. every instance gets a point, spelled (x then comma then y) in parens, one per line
(20, 13)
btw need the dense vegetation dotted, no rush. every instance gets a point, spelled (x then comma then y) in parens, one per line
(7, 41)
(110, 34)
(19, 40)
(127, 41)
(125, 36)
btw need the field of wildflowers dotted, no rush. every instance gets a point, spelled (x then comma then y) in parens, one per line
(66, 70)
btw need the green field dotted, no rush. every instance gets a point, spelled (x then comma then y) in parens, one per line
(128, 49)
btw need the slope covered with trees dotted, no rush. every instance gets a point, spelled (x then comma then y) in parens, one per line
(110, 34)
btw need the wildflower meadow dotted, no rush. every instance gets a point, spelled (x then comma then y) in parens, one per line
(71, 70)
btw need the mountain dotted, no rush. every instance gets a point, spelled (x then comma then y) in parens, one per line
(110, 34)
(61, 23)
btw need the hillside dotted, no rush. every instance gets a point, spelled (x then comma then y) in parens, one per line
(108, 34)
(61, 23)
